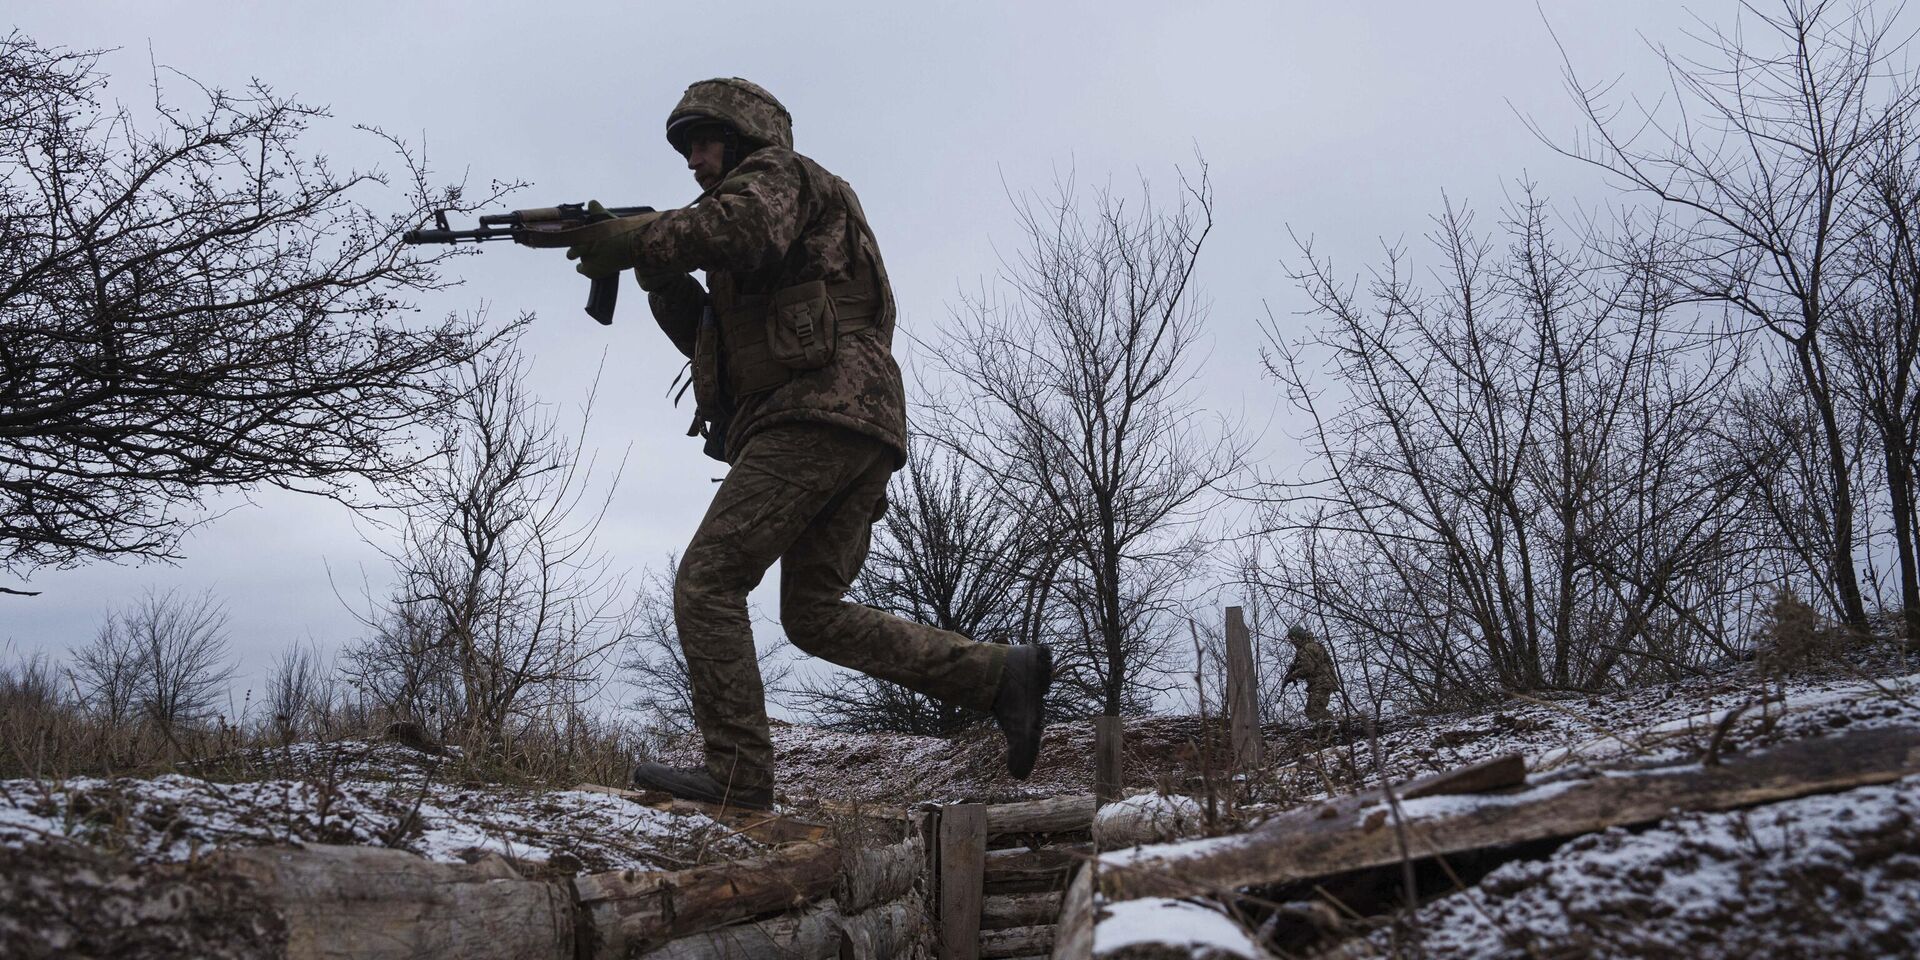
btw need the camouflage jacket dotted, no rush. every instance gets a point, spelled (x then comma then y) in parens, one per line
(777, 220)
(1311, 663)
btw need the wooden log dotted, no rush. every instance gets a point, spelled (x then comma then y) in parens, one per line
(1073, 935)
(963, 847)
(1052, 815)
(1356, 833)
(1016, 942)
(1019, 910)
(376, 903)
(1109, 751)
(1243, 705)
(628, 911)
(1047, 865)
(1499, 773)
(1148, 818)
(879, 874)
(821, 932)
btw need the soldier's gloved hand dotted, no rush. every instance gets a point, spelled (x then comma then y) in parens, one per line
(611, 248)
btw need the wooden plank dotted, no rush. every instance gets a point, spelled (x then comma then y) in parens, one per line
(1109, 751)
(376, 903)
(1052, 815)
(1243, 705)
(1355, 833)
(963, 848)
(1499, 773)
(1073, 935)
(1016, 942)
(1019, 910)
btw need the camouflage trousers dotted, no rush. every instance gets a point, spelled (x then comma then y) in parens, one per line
(806, 495)
(1317, 696)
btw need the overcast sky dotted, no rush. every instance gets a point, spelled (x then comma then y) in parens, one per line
(1345, 122)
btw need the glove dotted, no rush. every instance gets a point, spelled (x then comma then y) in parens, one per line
(613, 246)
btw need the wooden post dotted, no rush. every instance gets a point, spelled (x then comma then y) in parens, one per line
(1243, 704)
(963, 857)
(1108, 744)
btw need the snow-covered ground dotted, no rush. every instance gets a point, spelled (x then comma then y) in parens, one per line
(1835, 875)
(354, 792)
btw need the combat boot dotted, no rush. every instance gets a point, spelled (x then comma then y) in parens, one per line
(1020, 707)
(691, 783)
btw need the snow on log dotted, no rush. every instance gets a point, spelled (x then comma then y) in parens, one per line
(375, 903)
(1052, 815)
(629, 910)
(1147, 818)
(1358, 832)
(1162, 929)
(818, 933)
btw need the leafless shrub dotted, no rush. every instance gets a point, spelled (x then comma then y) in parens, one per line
(300, 694)
(1525, 489)
(498, 574)
(162, 660)
(1071, 391)
(1785, 159)
(192, 301)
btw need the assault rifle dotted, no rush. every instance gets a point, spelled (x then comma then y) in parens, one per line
(543, 227)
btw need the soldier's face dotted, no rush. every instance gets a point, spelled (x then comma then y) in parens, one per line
(704, 157)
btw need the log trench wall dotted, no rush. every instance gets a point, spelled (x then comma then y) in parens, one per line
(808, 901)
(999, 872)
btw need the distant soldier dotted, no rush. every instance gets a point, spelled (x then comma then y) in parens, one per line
(1311, 663)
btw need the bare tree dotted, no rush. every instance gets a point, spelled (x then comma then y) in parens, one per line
(161, 660)
(1773, 162)
(1074, 396)
(953, 553)
(1526, 488)
(191, 302)
(300, 693)
(498, 563)
(403, 669)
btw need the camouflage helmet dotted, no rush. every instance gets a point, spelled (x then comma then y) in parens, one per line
(747, 107)
(1298, 633)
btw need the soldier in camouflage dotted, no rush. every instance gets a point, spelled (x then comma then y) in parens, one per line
(1311, 664)
(796, 388)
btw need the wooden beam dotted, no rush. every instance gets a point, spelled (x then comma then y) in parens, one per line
(1109, 751)
(629, 910)
(1067, 814)
(1024, 870)
(1356, 832)
(1019, 910)
(1243, 704)
(963, 847)
(381, 904)
(1016, 942)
